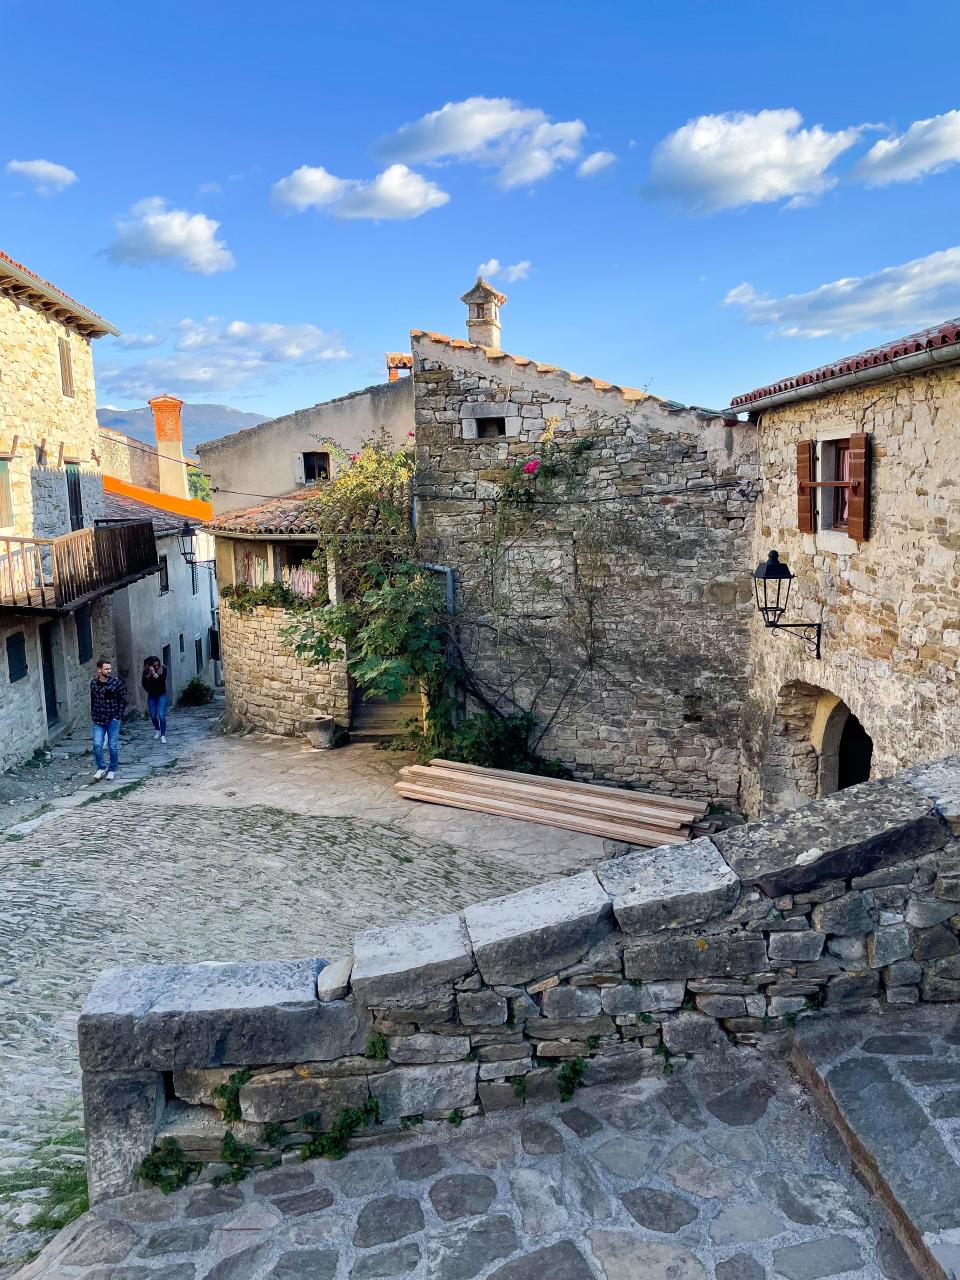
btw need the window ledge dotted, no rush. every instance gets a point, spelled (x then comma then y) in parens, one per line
(835, 542)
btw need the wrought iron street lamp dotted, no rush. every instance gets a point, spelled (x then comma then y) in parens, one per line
(187, 542)
(771, 586)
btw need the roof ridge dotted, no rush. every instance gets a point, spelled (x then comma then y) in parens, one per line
(631, 394)
(83, 313)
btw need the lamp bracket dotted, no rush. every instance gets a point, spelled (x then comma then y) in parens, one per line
(808, 633)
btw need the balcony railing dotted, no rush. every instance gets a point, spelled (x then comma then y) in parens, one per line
(60, 574)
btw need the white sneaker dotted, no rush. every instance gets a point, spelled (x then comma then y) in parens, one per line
(99, 774)
(163, 737)
(157, 735)
(111, 775)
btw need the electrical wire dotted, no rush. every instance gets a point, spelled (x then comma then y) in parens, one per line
(152, 449)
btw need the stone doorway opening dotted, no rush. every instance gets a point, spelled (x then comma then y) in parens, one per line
(815, 746)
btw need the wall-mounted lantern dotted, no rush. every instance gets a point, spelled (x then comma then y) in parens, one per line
(771, 585)
(187, 542)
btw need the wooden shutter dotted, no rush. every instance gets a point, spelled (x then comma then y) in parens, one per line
(805, 470)
(858, 508)
(66, 367)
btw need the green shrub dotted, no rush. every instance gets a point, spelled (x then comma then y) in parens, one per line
(166, 1166)
(377, 1047)
(227, 1096)
(334, 1143)
(502, 742)
(237, 1156)
(570, 1078)
(196, 693)
(243, 598)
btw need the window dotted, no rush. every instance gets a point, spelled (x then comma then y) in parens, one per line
(316, 466)
(198, 647)
(74, 497)
(182, 645)
(833, 486)
(84, 634)
(491, 428)
(164, 576)
(6, 497)
(17, 656)
(194, 578)
(66, 366)
(165, 658)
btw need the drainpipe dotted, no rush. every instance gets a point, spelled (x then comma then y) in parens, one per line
(912, 363)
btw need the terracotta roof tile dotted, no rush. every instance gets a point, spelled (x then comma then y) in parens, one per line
(942, 335)
(71, 304)
(633, 394)
(296, 515)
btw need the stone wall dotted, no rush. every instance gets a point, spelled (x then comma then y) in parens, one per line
(49, 428)
(890, 606)
(129, 459)
(266, 686)
(603, 976)
(620, 612)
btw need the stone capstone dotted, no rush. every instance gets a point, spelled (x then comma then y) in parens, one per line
(164, 1017)
(670, 886)
(407, 959)
(854, 832)
(538, 931)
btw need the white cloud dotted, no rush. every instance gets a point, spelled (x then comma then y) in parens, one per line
(725, 161)
(48, 179)
(139, 341)
(396, 193)
(928, 146)
(594, 163)
(152, 232)
(216, 355)
(522, 143)
(909, 296)
(494, 267)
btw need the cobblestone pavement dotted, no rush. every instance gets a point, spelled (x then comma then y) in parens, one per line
(229, 848)
(726, 1175)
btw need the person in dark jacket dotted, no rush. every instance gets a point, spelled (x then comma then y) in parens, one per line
(108, 701)
(154, 681)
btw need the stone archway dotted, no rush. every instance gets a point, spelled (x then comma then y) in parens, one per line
(815, 746)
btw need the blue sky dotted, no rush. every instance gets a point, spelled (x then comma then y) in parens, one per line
(678, 188)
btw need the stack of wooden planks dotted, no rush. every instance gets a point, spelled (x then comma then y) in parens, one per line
(635, 817)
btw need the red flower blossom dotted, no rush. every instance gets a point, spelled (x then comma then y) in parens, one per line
(532, 467)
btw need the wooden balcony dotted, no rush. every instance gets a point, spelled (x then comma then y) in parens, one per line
(57, 575)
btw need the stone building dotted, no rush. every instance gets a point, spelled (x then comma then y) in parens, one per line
(859, 468)
(58, 566)
(612, 598)
(174, 615)
(301, 448)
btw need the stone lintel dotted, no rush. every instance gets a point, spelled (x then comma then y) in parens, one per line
(540, 930)
(852, 833)
(406, 960)
(670, 886)
(490, 409)
(163, 1017)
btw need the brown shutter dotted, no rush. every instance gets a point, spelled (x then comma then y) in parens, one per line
(858, 508)
(66, 367)
(805, 470)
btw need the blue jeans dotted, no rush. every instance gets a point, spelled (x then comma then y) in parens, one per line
(103, 733)
(157, 708)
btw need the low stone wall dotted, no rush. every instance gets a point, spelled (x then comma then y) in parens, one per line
(266, 685)
(602, 976)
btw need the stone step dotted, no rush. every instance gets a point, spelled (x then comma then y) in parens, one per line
(884, 1081)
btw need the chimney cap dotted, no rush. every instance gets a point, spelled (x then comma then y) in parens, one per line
(164, 398)
(481, 291)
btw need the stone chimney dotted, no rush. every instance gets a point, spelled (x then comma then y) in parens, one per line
(169, 433)
(483, 314)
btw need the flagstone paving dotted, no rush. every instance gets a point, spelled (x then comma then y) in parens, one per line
(228, 848)
(666, 1180)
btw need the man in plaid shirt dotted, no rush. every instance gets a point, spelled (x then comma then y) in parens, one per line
(108, 701)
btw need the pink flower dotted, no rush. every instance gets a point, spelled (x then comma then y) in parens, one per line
(532, 467)
(354, 457)
(410, 435)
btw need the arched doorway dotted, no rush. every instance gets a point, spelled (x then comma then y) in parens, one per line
(856, 754)
(815, 746)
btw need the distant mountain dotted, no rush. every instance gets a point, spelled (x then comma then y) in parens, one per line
(200, 422)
